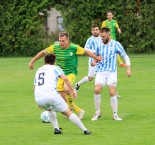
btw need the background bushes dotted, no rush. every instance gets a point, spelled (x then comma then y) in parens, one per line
(22, 33)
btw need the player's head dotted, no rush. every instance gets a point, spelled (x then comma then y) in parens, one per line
(64, 40)
(95, 30)
(105, 34)
(49, 59)
(110, 15)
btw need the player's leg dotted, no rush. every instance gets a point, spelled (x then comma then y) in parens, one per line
(71, 102)
(60, 88)
(73, 118)
(90, 77)
(112, 82)
(60, 105)
(120, 61)
(53, 118)
(46, 104)
(99, 83)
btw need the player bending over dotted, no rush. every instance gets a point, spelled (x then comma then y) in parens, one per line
(47, 96)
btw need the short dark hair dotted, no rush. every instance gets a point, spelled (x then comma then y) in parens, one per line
(104, 29)
(64, 34)
(94, 25)
(110, 12)
(49, 58)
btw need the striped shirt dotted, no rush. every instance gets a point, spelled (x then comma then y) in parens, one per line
(67, 58)
(92, 44)
(109, 54)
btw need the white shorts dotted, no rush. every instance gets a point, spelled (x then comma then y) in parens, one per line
(106, 77)
(55, 102)
(92, 71)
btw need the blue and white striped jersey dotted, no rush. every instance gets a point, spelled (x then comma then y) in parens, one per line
(93, 45)
(109, 54)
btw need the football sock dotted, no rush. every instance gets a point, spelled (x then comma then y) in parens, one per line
(73, 118)
(97, 100)
(71, 104)
(76, 108)
(53, 118)
(114, 104)
(83, 80)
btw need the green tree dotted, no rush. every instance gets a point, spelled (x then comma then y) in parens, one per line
(20, 27)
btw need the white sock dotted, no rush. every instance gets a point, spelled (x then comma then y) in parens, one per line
(83, 80)
(53, 118)
(97, 101)
(114, 104)
(73, 118)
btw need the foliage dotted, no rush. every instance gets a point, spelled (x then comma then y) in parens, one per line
(135, 18)
(22, 31)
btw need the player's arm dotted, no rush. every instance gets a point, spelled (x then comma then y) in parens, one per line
(127, 61)
(89, 53)
(39, 55)
(81, 51)
(67, 82)
(103, 24)
(118, 28)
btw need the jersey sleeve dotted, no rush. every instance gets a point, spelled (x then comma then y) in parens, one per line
(80, 50)
(103, 24)
(58, 71)
(50, 49)
(116, 25)
(120, 49)
(34, 82)
(87, 45)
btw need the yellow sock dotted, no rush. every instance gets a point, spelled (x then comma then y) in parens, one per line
(71, 104)
(119, 59)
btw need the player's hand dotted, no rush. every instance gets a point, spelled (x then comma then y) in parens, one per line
(74, 94)
(99, 58)
(128, 72)
(31, 65)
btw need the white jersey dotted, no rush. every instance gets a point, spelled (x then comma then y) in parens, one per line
(92, 44)
(109, 54)
(46, 81)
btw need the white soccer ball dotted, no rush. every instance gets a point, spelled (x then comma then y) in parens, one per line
(44, 117)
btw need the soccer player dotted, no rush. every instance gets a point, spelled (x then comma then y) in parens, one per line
(66, 57)
(92, 44)
(47, 97)
(107, 72)
(113, 26)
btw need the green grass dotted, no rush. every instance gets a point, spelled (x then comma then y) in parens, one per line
(19, 115)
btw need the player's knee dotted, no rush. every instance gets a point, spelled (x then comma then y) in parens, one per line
(68, 92)
(97, 90)
(90, 78)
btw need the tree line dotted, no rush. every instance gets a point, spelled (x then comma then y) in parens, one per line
(21, 30)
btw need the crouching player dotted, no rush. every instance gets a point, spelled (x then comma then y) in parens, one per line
(48, 98)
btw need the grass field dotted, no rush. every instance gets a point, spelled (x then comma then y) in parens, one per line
(20, 117)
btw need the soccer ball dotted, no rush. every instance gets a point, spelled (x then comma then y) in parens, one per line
(44, 117)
